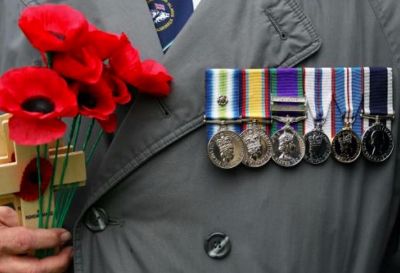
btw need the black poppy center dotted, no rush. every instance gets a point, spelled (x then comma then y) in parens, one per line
(33, 177)
(39, 105)
(86, 99)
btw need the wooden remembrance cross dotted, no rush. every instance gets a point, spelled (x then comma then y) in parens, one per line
(13, 160)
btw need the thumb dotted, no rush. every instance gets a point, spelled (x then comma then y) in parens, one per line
(8, 217)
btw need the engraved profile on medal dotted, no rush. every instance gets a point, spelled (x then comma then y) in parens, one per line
(377, 143)
(226, 149)
(288, 148)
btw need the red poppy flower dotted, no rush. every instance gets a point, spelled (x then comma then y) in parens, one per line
(119, 89)
(103, 43)
(54, 27)
(29, 188)
(37, 98)
(125, 62)
(153, 79)
(95, 100)
(82, 65)
(109, 125)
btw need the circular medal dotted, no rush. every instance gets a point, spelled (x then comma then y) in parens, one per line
(377, 143)
(318, 147)
(226, 149)
(287, 147)
(346, 146)
(258, 147)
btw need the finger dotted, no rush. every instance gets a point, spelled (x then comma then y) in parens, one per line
(20, 240)
(23, 264)
(8, 217)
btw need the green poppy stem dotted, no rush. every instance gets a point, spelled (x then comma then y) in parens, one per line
(94, 147)
(61, 184)
(77, 132)
(39, 177)
(88, 134)
(51, 195)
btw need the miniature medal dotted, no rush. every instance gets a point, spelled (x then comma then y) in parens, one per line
(377, 143)
(287, 146)
(226, 149)
(346, 145)
(318, 146)
(258, 147)
(319, 94)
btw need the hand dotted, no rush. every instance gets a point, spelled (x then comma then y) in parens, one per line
(16, 242)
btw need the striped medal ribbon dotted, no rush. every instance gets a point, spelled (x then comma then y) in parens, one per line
(288, 108)
(318, 89)
(377, 141)
(256, 112)
(222, 113)
(348, 88)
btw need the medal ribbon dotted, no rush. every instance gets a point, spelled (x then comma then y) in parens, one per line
(348, 90)
(378, 93)
(287, 82)
(318, 91)
(222, 85)
(256, 96)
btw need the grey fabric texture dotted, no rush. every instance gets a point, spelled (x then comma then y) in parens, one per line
(165, 197)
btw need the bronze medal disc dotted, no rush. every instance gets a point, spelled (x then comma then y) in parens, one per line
(258, 147)
(377, 143)
(288, 147)
(226, 149)
(346, 146)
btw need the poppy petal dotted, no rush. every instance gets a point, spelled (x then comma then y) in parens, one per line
(81, 65)
(119, 88)
(29, 187)
(35, 132)
(34, 92)
(125, 62)
(103, 43)
(53, 27)
(95, 100)
(154, 79)
(109, 125)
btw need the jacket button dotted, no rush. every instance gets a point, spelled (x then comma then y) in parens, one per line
(218, 245)
(96, 219)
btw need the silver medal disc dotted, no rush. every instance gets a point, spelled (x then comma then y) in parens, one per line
(288, 147)
(258, 147)
(346, 146)
(226, 149)
(318, 147)
(377, 143)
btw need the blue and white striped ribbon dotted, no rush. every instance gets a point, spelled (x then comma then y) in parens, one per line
(349, 90)
(378, 93)
(222, 84)
(318, 91)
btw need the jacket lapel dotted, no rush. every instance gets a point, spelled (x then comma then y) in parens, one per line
(231, 33)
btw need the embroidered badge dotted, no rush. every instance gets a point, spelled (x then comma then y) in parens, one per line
(163, 14)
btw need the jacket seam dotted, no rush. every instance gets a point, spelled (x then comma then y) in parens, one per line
(377, 9)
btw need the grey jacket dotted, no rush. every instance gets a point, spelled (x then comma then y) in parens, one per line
(161, 194)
